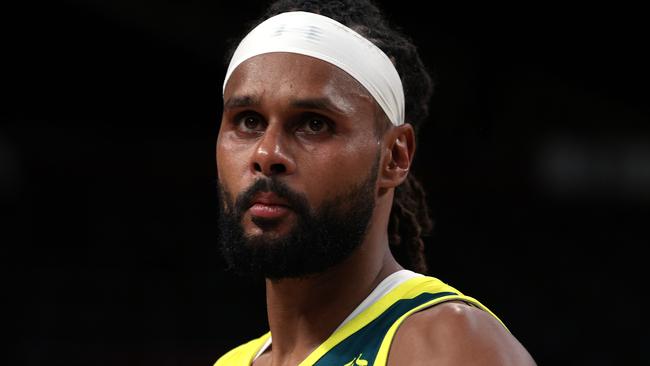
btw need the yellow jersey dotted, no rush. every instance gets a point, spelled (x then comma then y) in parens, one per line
(365, 339)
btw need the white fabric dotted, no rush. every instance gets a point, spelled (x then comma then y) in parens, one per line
(384, 287)
(326, 39)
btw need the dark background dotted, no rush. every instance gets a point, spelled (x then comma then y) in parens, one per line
(536, 160)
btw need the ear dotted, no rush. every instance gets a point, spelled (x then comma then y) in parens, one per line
(399, 149)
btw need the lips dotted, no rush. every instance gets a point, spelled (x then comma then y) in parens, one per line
(269, 206)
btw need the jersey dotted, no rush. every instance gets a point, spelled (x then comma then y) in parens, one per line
(365, 337)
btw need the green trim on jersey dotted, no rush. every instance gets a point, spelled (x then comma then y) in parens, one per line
(365, 343)
(365, 340)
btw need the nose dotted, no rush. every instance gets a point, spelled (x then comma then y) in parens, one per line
(272, 156)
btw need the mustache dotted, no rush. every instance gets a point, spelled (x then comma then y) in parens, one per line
(296, 201)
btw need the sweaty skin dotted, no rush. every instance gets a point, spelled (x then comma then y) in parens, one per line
(311, 125)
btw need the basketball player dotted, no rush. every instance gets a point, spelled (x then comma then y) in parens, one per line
(321, 105)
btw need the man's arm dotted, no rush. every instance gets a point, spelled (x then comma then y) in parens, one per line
(455, 333)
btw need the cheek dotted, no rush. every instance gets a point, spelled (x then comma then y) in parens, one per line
(355, 159)
(230, 163)
(332, 172)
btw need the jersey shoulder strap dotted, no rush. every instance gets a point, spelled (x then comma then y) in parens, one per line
(382, 353)
(366, 339)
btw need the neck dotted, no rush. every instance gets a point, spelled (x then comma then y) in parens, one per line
(304, 312)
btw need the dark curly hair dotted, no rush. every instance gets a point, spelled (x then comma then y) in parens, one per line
(409, 220)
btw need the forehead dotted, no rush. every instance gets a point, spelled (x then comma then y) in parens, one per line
(282, 74)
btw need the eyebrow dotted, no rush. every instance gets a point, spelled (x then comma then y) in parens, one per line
(241, 101)
(323, 104)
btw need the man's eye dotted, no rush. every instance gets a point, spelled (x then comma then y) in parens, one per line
(250, 123)
(315, 126)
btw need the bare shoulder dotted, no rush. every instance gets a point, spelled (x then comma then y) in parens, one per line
(455, 333)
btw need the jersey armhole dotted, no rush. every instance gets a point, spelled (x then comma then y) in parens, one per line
(382, 354)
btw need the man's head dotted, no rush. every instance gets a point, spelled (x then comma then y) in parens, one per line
(307, 160)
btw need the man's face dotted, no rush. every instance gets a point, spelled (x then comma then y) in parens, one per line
(296, 148)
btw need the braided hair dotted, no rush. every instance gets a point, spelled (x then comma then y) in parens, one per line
(409, 219)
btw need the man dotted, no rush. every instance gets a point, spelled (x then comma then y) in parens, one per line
(314, 150)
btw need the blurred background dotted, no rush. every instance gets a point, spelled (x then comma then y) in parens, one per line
(536, 160)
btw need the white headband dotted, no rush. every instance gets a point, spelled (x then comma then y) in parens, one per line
(326, 39)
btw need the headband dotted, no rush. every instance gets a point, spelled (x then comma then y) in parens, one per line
(326, 39)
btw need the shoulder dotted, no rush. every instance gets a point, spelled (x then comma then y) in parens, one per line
(454, 333)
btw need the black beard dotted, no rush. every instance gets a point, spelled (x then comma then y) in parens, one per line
(320, 239)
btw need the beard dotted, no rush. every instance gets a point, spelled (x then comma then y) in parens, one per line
(320, 239)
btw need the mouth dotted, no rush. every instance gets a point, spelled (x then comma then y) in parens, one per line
(269, 206)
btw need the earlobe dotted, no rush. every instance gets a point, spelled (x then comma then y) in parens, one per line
(400, 147)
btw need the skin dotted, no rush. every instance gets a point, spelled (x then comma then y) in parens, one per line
(311, 125)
